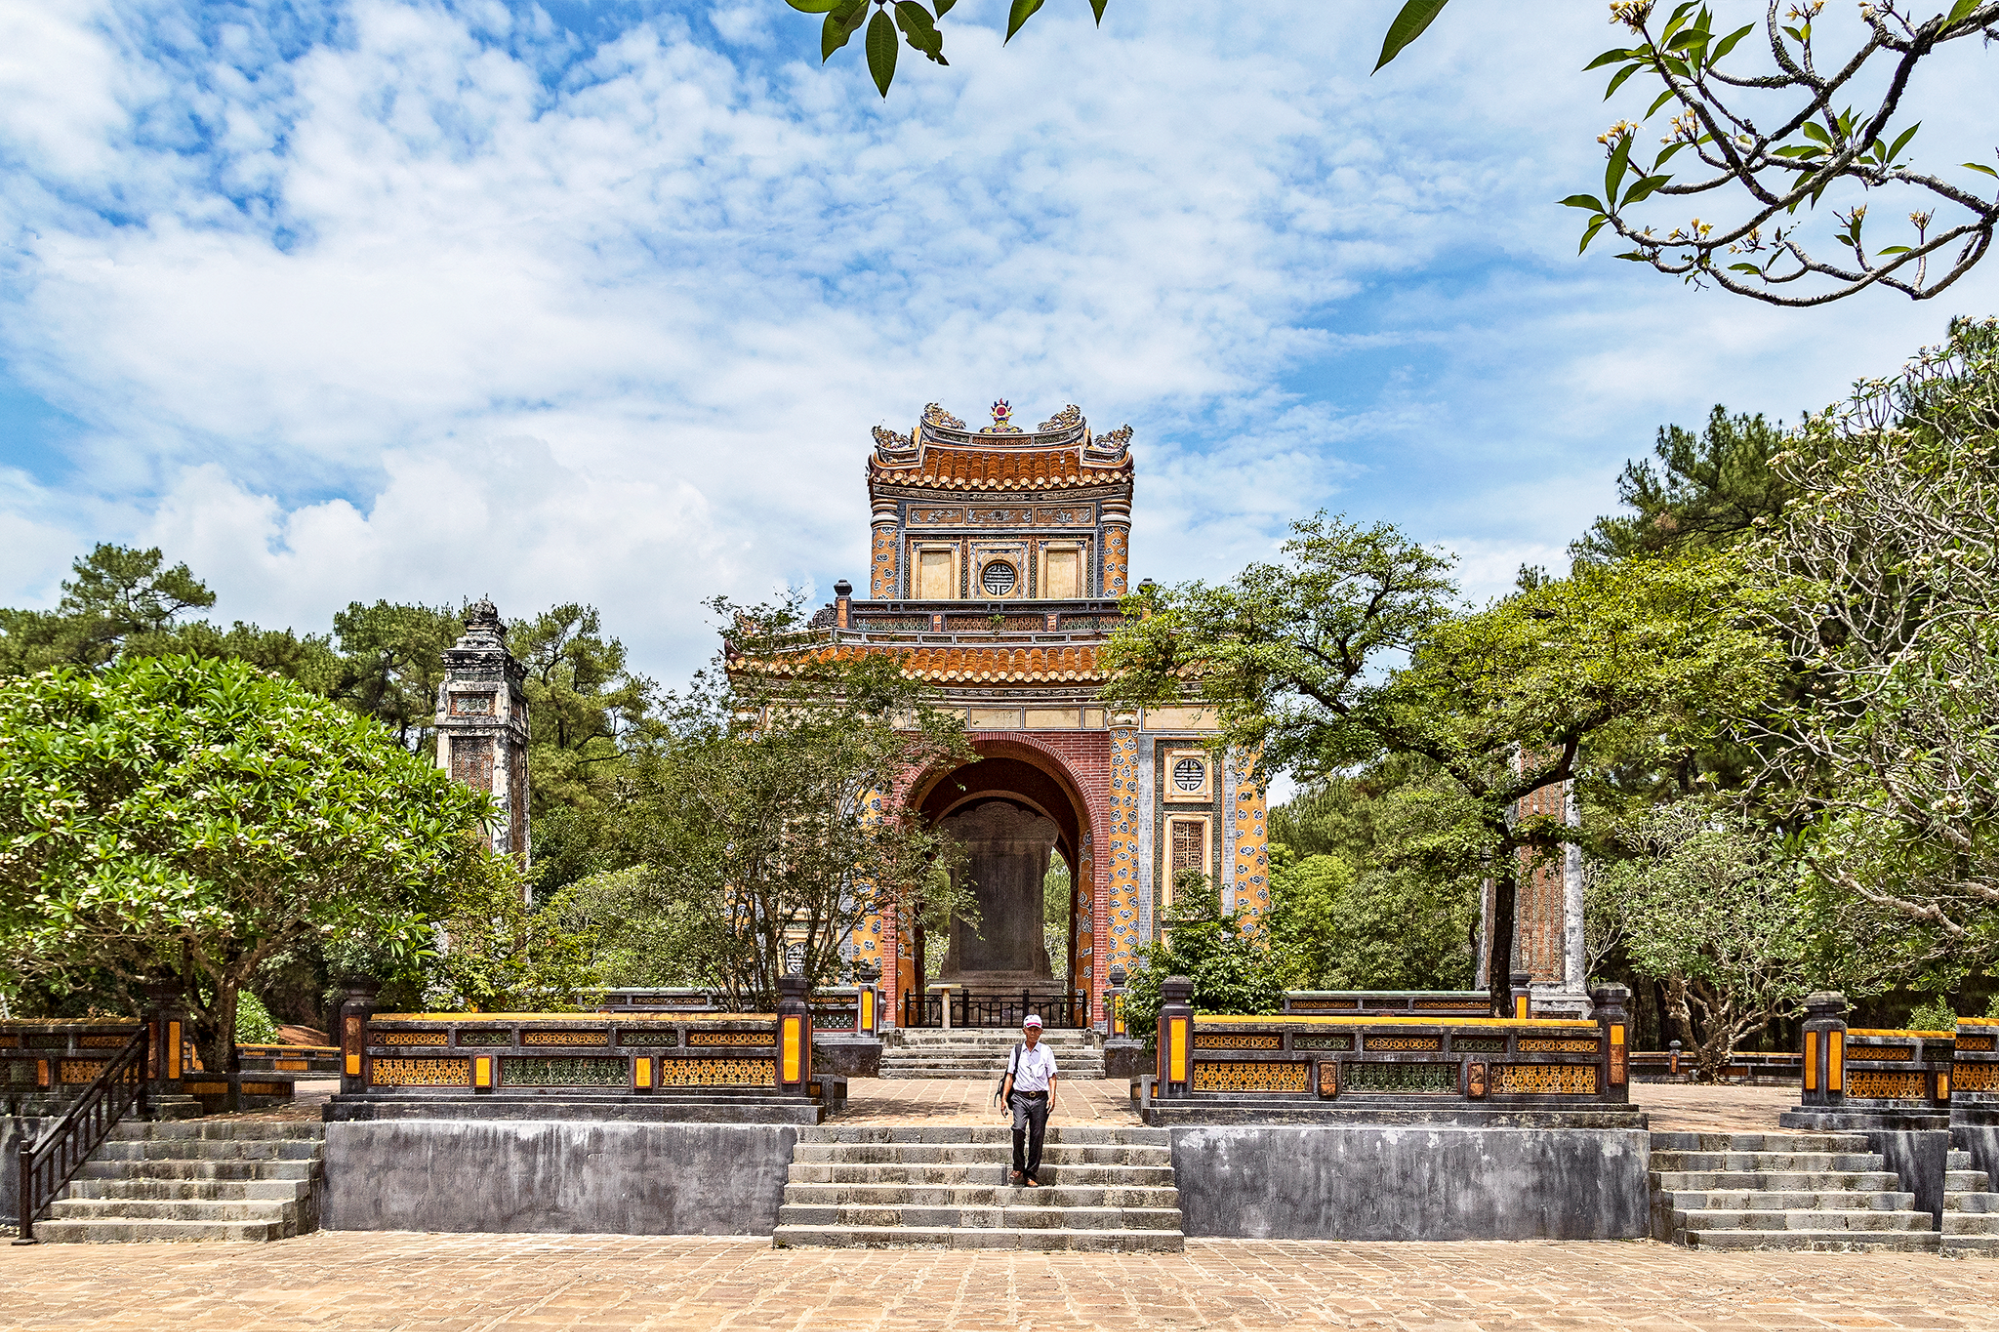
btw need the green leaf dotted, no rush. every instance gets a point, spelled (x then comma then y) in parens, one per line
(1980, 166)
(1610, 57)
(1727, 44)
(1660, 101)
(1744, 268)
(914, 20)
(1613, 172)
(1666, 153)
(1588, 201)
(1959, 10)
(1617, 79)
(1644, 188)
(833, 35)
(1097, 7)
(1895, 250)
(1636, 256)
(1679, 18)
(1596, 225)
(943, 7)
(1022, 11)
(1408, 25)
(1813, 130)
(1902, 141)
(1800, 150)
(813, 6)
(881, 50)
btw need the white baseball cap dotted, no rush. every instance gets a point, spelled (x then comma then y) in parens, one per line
(1031, 1021)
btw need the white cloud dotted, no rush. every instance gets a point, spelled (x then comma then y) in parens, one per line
(441, 302)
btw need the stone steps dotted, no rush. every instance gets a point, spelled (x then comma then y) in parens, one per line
(1970, 1210)
(1107, 1189)
(982, 1053)
(1800, 1192)
(192, 1180)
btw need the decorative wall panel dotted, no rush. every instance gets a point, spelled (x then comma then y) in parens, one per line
(1252, 1076)
(1376, 1043)
(1886, 1083)
(549, 1072)
(565, 1039)
(732, 1039)
(407, 1038)
(1534, 1080)
(718, 1073)
(1555, 1046)
(1384, 1076)
(1238, 1041)
(423, 1073)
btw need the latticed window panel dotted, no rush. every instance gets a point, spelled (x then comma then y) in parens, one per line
(565, 1039)
(1320, 1042)
(1975, 1076)
(1880, 1052)
(422, 1073)
(1886, 1084)
(1238, 1041)
(1479, 1045)
(1375, 1043)
(78, 1071)
(407, 1038)
(1189, 846)
(732, 1039)
(648, 1039)
(1556, 1046)
(489, 1037)
(98, 1041)
(1544, 1080)
(1252, 1076)
(583, 1071)
(1965, 1043)
(718, 1073)
(1384, 1076)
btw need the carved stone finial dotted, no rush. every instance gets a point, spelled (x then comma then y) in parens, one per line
(482, 614)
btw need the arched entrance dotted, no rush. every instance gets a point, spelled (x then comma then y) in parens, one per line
(1017, 811)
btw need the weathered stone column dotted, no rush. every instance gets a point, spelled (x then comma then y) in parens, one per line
(482, 724)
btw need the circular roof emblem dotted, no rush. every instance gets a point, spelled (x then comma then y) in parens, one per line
(1190, 774)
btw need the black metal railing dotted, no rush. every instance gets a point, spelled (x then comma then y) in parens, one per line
(48, 1163)
(995, 1009)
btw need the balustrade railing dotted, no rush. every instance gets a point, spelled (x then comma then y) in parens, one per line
(1872, 1069)
(1442, 1004)
(994, 1009)
(47, 1164)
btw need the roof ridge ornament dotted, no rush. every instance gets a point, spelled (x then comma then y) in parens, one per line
(1002, 420)
(1069, 416)
(937, 416)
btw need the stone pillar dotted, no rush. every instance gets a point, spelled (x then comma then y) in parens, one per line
(166, 1026)
(794, 1036)
(1610, 1009)
(1248, 868)
(1007, 858)
(482, 725)
(1176, 1038)
(1522, 994)
(1825, 1049)
(356, 1008)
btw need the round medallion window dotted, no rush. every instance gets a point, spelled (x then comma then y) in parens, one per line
(1190, 774)
(998, 578)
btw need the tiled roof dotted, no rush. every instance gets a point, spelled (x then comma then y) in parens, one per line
(998, 469)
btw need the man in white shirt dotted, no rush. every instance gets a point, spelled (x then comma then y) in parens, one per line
(1030, 1095)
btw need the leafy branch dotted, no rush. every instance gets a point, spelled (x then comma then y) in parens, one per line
(918, 26)
(1818, 141)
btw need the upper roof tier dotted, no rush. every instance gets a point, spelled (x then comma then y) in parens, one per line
(941, 453)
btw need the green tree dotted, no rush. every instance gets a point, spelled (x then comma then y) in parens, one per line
(187, 819)
(1623, 659)
(1708, 491)
(642, 933)
(1232, 972)
(117, 592)
(1886, 578)
(392, 663)
(1710, 907)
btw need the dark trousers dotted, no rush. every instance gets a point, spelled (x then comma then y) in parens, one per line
(1030, 1127)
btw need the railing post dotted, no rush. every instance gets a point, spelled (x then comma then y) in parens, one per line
(165, 1018)
(1614, 1019)
(357, 1006)
(1523, 994)
(866, 1021)
(794, 1036)
(1673, 1057)
(1825, 1049)
(1176, 1037)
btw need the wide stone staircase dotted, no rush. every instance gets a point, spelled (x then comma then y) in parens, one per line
(1102, 1188)
(982, 1052)
(154, 1180)
(1823, 1191)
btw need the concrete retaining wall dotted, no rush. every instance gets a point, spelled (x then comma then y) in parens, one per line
(1391, 1182)
(574, 1176)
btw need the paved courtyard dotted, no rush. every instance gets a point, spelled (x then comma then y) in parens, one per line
(352, 1280)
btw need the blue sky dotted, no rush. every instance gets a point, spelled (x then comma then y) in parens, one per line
(598, 301)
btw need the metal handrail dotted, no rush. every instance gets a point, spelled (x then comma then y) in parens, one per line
(48, 1163)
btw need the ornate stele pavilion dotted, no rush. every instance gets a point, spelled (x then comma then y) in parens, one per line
(998, 559)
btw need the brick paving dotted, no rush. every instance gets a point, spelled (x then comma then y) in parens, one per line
(1736, 1108)
(355, 1280)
